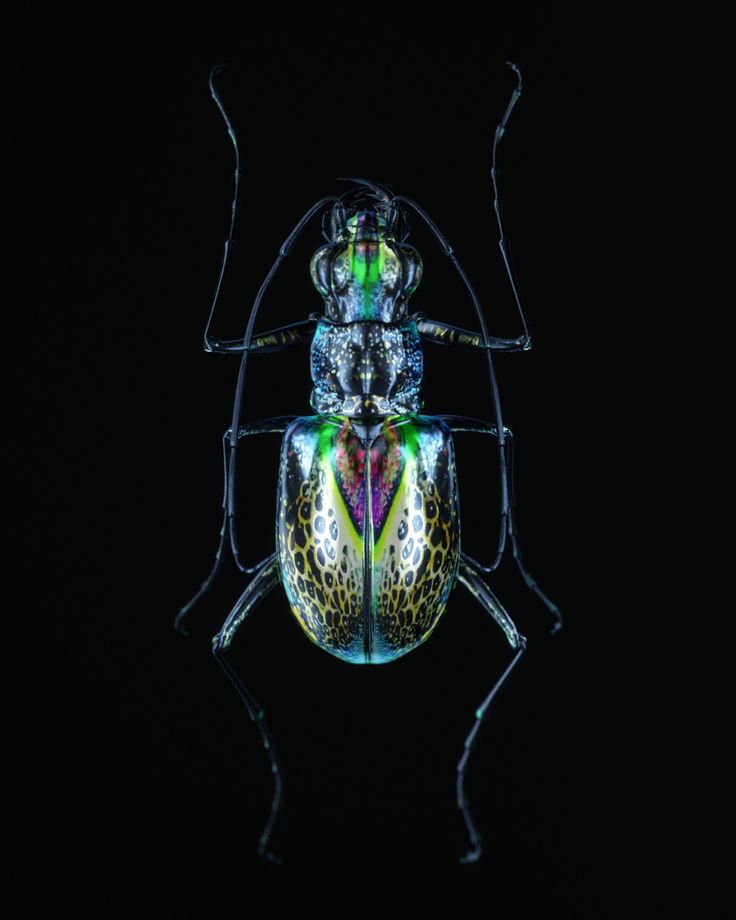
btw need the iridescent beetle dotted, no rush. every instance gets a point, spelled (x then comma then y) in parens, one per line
(368, 529)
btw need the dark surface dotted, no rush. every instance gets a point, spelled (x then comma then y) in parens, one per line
(597, 782)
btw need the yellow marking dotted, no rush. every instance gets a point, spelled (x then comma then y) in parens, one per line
(339, 632)
(393, 518)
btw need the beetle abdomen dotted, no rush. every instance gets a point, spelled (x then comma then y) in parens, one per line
(368, 532)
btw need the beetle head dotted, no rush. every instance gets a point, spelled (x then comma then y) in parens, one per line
(367, 212)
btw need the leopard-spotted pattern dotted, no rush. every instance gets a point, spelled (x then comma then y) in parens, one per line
(368, 532)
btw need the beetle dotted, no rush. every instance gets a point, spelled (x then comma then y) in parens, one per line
(368, 523)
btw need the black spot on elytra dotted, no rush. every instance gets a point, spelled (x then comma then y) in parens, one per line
(333, 529)
(319, 524)
(402, 530)
(313, 568)
(417, 524)
(425, 562)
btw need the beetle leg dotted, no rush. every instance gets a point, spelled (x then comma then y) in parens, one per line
(265, 581)
(458, 423)
(472, 580)
(276, 425)
(469, 576)
(274, 340)
(441, 333)
(261, 585)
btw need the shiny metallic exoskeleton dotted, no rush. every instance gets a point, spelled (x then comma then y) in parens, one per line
(368, 544)
(368, 532)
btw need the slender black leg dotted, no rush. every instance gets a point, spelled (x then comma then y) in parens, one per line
(262, 584)
(508, 522)
(442, 333)
(276, 425)
(471, 579)
(278, 339)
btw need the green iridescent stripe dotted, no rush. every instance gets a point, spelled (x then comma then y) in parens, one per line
(366, 271)
(410, 438)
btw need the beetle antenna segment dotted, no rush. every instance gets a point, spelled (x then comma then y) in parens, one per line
(503, 242)
(495, 395)
(235, 202)
(240, 386)
(228, 531)
(524, 340)
(210, 345)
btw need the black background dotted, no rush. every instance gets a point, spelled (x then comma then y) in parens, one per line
(597, 782)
